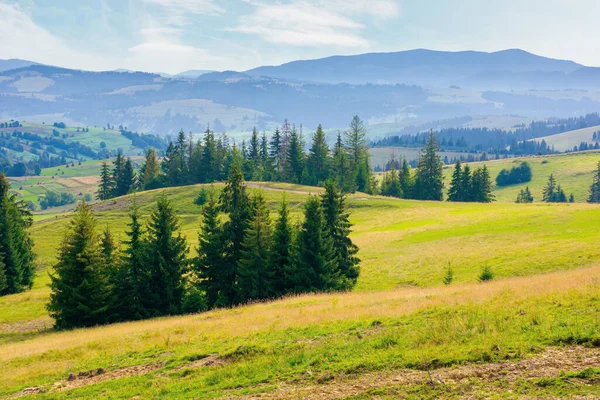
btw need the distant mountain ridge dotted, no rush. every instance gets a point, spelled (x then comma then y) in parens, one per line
(14, 63)
(420, 67)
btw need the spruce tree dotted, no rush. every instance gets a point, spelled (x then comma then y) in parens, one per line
(390, 185)
(429, 184)
(209, 158)
(357, 149)
(125, 182)
(525, 196)
(454, 192)
(338, 227)
(281, 253)
(117, 174)
(318, 158)
(132, 287)
(314, 266)
(482, 186)
(80, 292)
(255, 276)
(16, 247)
(209, 264)
(276, 154)
(466, 185)
(406, 180)
(595, 188)
(150, 171)
(236, 203)
(166, 249)
(295, 158)
(342, 173)
(105, 187)
(182, 159)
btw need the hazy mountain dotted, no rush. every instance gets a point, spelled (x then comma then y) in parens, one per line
(192, 73)
(420, 67)
(13, 63)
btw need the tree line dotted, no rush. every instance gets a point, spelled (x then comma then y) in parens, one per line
(240, 258)
(470, 187)
(17, 259)
(279, 158)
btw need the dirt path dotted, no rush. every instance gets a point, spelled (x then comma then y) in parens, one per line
(548, 364)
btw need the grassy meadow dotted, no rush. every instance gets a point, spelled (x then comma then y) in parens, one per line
(545, 258)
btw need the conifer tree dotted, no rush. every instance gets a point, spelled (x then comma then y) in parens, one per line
(195, 163)
(236, 203)
(454, 192)
(80, 291)
(182, 159)
(132, 286)
(482, 186)
(281, 254)
(595, 188)
(150, 171)
(295, 158)
(209, 158)
(465, 188)
(357, 148)
(209, 265)
(254, 150)
(390, 185)
(525, 196)
(16, 247)
(338, 227)
(344, 177)
(276, 153)
(255, 276)
(406, 180)
(166, 250)
(318, 158)
(117, 178)
(264, 158)
(125, 182)
(429, 183)
(553, 193)
(314, 267)
(170, 166)
(105, 187)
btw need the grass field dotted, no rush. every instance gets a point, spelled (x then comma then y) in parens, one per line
(566, 141)
(574, 172)
(541, 311)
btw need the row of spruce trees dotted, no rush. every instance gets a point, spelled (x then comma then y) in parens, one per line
(17, 259)
(240, 258)
(279, 158)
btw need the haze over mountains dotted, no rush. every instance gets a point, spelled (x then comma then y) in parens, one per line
(401, 88)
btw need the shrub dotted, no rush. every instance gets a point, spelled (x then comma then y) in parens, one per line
(449, 277)
(486, 274)
(516, 175)
(202, 197)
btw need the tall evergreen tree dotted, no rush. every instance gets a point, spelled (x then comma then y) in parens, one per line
(182, 159)
(295, 158)
(150, 171)
(80, 291)
(454, 192)
(209, 158)
(357, 149)
(314, 268)
(276, 153)
(342, 173)
(595, 188)
(236, 203)
(170, 166)
(254, 149)
(466, 185)
(390, 185)
(16, 247)
(281, 254)
(117, 178)
(125, 181)
(105, 187)
(525, 196)
(318, 159)
(482, 186)
(209, 265)
(166, 250)
(264, 158)
(338, 226)
(132, 286)
(406, 180)
(255, 276)
(429, 184)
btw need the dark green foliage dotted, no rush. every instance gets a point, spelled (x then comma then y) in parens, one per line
(105, 188)
(235, 202)
(318, 161)
(281, 252)
(455, 192)
(429, 183)
(202, 197)
(209, 266)
(255, 276)
(166, 250)
(467, 187)
(55, 199)
(390, 185)
(131, 292)
(595, 188)
(516, 175)
(338, 227)
(525, 196)
(481, 186)
(486, 274)
(80, 292)
(17, 258)
(314, 266)
(553, 193)
(294, 165)
(342, 172)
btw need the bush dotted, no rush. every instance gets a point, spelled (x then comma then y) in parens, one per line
(202, 197)
(486, 274)
(516, 175)
(449, 277)
(87, 197)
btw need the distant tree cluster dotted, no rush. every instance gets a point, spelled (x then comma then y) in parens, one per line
(242, 259)
(525, 196)
(17, 259)
(116, 182)
(11, 124)
(55, 199)
(280, 158)
(553, 192)
(470, 187)
(584, 146)
(515, 175)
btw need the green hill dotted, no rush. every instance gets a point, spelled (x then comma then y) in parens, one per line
(545, 258)
(574, 171)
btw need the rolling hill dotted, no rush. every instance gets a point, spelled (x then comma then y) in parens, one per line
(545, 258)
(568, 140)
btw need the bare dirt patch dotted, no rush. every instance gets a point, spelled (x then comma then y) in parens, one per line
(548, 364)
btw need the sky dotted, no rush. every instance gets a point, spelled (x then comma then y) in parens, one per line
(172, 36)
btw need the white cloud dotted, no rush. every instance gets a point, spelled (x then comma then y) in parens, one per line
(302, 24)
(21, 37)
(176, 12)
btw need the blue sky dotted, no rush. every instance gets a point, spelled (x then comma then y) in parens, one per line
(176, 35)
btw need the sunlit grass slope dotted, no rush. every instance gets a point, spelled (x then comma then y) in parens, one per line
(574, 172)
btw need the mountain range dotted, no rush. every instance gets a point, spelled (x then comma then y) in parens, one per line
(398, 89)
